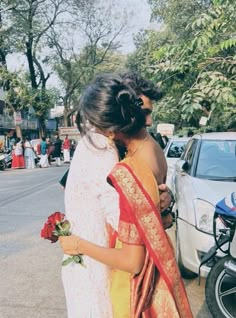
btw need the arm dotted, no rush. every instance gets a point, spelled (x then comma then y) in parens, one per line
(165, 197)
(129, 258)
(166, 201)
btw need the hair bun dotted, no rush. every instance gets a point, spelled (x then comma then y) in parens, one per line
(125, 100)
(124, 97)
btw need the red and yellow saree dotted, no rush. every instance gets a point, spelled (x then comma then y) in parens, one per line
(158, 291)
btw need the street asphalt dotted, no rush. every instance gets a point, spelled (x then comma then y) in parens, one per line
(30, 282)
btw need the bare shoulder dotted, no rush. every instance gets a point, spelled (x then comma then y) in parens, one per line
(155, 158)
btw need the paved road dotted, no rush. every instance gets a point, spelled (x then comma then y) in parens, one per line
(30, 282)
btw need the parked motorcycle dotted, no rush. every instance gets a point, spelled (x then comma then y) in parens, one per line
(5, 159)
(220, 286)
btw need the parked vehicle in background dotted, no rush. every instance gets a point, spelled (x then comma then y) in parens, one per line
(173, 151)
(5, 159)
(204, 175)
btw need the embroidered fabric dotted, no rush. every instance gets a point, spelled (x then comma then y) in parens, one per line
(90, 203)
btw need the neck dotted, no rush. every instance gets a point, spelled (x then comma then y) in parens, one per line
(134, 144)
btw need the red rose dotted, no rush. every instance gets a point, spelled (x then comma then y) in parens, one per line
(57, 226)
(56, 217)
(47, 232)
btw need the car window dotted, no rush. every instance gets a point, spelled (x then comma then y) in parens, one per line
(188, 155)
(189, 151)
(217, 159)
(176, 148)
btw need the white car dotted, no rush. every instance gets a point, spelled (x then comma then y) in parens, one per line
(205, 174)
(173, 151)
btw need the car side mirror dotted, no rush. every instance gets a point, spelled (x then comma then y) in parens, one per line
(182, 166)
(185, 166)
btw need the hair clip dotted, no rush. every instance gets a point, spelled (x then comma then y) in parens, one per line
(138, 102)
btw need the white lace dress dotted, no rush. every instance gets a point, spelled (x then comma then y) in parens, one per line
(90, 202)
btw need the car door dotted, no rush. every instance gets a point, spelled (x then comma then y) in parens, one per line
(184, 177)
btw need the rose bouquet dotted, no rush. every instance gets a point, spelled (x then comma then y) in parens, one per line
(56, 226)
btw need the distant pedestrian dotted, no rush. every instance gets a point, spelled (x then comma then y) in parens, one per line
(57, 150)
(18, 161)
(165, 140)
(29, 154)
(159, 139)
(66, 149)
(190, 133)
(72, 148)
(50, 149)
(43, 163)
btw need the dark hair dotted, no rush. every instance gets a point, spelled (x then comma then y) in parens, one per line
(142, 86)
(108, 103)
(190, 133)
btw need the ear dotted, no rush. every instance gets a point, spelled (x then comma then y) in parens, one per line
(111, 135)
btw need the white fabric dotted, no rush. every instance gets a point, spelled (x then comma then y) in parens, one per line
(29, 156)
(90, 202)
(18, 149)
(44, 161)
(66, 154)
(58, 161)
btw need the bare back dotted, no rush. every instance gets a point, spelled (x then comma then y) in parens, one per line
(154, 156)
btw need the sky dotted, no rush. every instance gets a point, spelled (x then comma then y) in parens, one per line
(139, 14)
(140, 19)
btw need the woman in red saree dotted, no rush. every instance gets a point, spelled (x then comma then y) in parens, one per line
(157, 289)
(18, 161)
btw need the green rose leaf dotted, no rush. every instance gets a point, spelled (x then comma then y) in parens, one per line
(65, 226)
(78, 259)
(67, 261)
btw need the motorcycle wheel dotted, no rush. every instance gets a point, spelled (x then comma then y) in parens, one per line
(220, 291)
(2, 165)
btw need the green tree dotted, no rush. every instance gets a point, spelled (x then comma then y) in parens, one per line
(18, 96)
(204, 66)
(30, 21)
(197, 68)
(91, 48)
(177, 14)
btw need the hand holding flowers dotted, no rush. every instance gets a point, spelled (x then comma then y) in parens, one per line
(57, 226)
(70, 244)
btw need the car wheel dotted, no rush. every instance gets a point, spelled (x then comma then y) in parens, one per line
(2, 165)
(185, 273)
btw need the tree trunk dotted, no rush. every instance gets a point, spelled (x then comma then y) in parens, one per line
(2, 51)
(29, 56)
(19, 131)
(66, 115)
(42, 128)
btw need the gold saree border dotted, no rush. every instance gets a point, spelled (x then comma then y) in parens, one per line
(150, 227)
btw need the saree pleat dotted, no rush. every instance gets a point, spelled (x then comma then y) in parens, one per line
(143, 286)
(158, 290)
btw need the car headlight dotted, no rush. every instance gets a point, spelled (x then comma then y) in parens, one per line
(204, 213)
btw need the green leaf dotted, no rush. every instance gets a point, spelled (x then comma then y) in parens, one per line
(67, 261)
(65, 226)
(196, 106)
(78, 259)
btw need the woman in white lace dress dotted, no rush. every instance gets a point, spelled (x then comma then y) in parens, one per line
(90, 205)
(29, 154)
